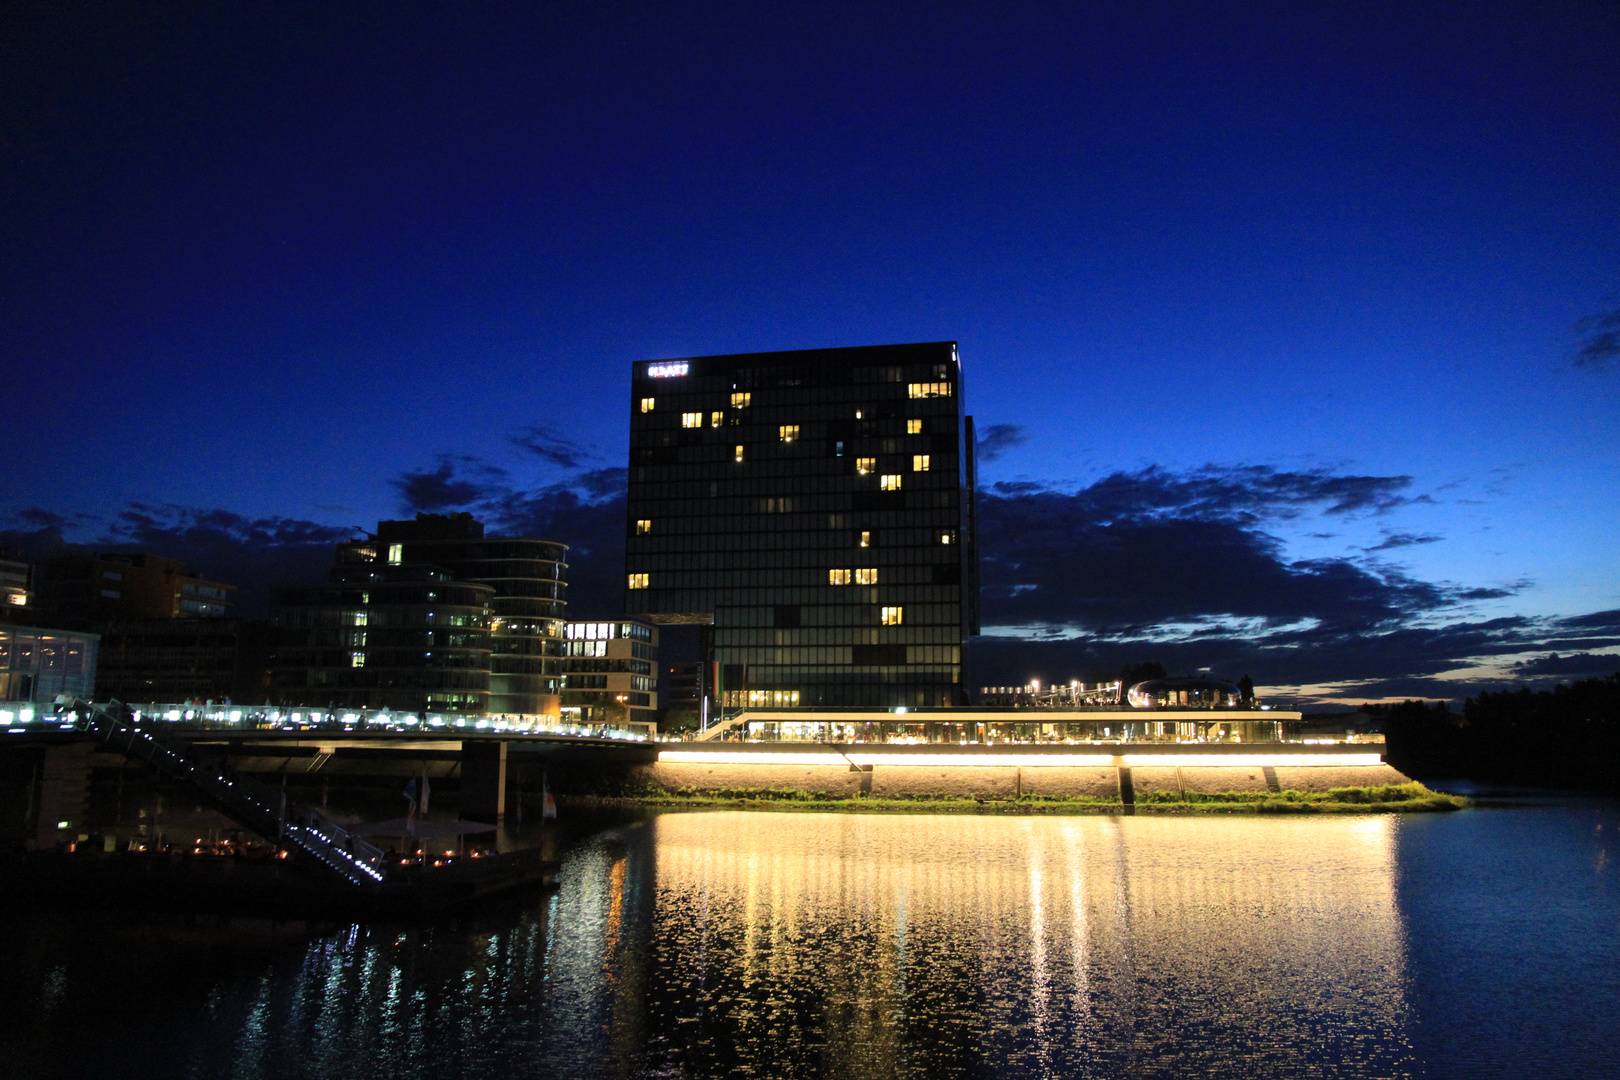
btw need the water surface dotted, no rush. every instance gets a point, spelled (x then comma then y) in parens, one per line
(1483, 943)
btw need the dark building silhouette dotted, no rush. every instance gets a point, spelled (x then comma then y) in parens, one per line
(176, 660)
(814, 511)
(527, 609)
(94, 592)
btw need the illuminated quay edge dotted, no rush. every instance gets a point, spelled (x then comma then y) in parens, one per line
(971, 726)
(1055, 758)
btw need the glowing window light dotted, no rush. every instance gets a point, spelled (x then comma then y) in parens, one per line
(789, 432)
(929, 390)
(357, 659)
(838, 577)
(742, 400)
(866, 577)
(643, 527)
(865, 466)
(919, 462)
(890, 482)
(716, 417)
(647, 404)
(866, 539)
(396, 554)
(948, 536)
(893, 616)
(739, 453)
(913, 427)
(638, 581)
(691, 419)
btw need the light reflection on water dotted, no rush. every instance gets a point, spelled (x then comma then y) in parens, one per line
(787, 945)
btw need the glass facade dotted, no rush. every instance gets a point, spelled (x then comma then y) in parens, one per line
(36, 664)
(824, 578)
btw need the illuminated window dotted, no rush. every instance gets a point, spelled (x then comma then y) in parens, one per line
(948, 536)
(929, 389)
(715, 418)
(357, 659)
(866, 539)
(646, 404)
(913, 427)
(860, 414)
(919, 462)
(790, 432)
(643, 527)
(638, 581)
(396, 553)
(866, 577)
(360, 618)
(18, 598)
(893, 616)
(838, 577)
(890, 482)
(742, 400)
(865, 466)
(739, 452)
(691, 419)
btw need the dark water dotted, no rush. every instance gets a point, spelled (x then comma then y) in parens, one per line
(1484, 943)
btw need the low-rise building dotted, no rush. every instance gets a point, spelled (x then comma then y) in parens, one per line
(38, 663)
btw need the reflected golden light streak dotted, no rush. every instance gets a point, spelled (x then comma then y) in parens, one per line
(1056, 759)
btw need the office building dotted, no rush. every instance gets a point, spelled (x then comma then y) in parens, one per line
(527, 608)
(382, 635)
(611, 673)
(97, 591)
(814, 512)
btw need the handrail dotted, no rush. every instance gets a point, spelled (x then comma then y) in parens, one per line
(253, 804)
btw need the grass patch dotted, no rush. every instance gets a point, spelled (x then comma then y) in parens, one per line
(1377, 799)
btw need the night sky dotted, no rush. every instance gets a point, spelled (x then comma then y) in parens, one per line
(1292, 330)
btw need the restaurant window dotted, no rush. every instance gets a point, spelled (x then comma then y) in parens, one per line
(919, 462)
(691, 419)
(638, 581)
(838, 577)
(643, 527)
(890, 482)
(790, 432)
(893, 616)
(865, 466)
(913, 427)
(741, 400)
(646, 404)
(866, 577)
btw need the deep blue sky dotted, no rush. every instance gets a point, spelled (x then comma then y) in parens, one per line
(1276, 310)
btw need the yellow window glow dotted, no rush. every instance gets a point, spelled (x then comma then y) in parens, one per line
(742, 400)
(865, 466)
(890, 482)
(691, 419)
(647, 404)
(838, 577)
(790, 432)
(866, 577)
(739, 452)
(893, 616)
(919, 462)
(913, 427)
(929, 389)
(716, 417)
(638, 581)
(643, 527)
(866, 539)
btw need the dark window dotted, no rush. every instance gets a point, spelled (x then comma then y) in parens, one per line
(787, 616)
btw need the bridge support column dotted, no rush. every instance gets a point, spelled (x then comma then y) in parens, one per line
(483, 780)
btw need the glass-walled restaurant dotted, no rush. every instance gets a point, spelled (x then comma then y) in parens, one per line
(1023, 727)
(38, 664)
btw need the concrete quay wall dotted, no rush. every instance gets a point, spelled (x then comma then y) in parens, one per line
(1008, 772)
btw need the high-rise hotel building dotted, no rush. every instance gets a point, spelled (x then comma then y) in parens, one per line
(815, 511)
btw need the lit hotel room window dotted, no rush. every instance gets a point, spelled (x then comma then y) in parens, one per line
(790, 432)
(890, 482)
(742, 400)
(893, 616)
(646, 404)
(715, 418)
(691, 419)
(643, 528)
(948, 536)
(838, 577)
(865, 466)
(919, 462)
(913, 427)
(866, 539)
(638, 581)
(866, 577)
(739, 452)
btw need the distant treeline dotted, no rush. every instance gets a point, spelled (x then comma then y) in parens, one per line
(1567, 737)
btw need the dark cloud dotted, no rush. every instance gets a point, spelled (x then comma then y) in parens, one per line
(1400, 540)
(549, 446)
(1602, 344)
(997, 440)
(459, 482)
(1575, 665)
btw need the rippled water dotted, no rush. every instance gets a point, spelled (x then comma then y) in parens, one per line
(1485, 943)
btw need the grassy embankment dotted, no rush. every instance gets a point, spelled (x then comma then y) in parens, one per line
(1392, 798)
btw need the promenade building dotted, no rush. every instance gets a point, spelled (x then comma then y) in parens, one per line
(611, 673)
(814, 512)
(38, 663)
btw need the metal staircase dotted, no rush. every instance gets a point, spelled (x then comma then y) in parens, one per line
(257, 807)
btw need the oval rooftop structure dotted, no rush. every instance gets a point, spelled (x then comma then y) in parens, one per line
(1183, 694)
